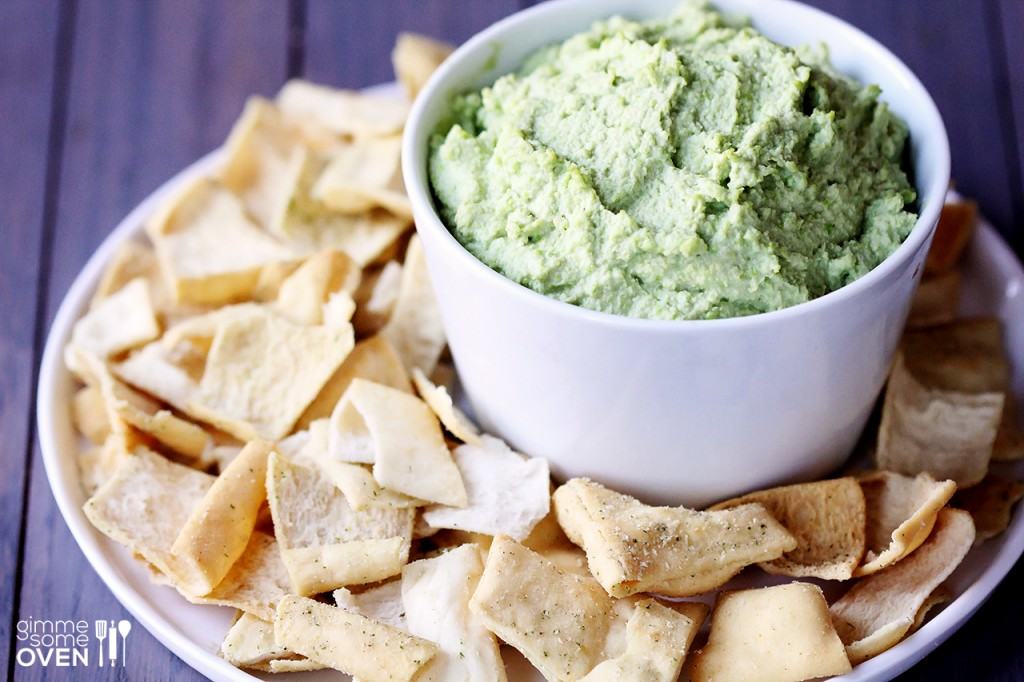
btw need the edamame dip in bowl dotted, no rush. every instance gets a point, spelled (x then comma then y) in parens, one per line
(674, 245)
(685, 167)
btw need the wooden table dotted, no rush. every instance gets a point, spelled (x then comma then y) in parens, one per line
(101, 101)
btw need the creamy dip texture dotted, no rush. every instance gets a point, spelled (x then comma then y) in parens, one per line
(683, 168)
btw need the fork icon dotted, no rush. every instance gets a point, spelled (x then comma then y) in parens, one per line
(101, 634)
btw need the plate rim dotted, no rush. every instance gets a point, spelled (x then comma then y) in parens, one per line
(885, 666)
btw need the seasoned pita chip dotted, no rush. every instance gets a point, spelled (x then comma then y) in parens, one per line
(255, 583)
(219, 527)
(325, 543)
(415, 326)
(340, 111)
(558, 621)
(948, 434)
(990, 504)
(364, 174)
(146, 504)
(361, 490)
(250, 641)
(414, 58)
(657, 640)
(402, 438)
(956, 226)
(508, 494)
(901, 511)
(348, 642)
(373, 359)
(261, 154)
(878, 611)
(209, 250)
(303, 295)
(674, 551)
(119, 322)
(250, 644)
(440, 401)
(382, 603)
(827, 520)
(780, 633)
(436, 594)
(262, 373)
(89, 414)
(151, 369)
(936, 300)
(376, 297)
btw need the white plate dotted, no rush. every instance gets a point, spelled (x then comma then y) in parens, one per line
(993, 280)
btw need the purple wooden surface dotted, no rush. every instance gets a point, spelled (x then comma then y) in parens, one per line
(152, 86)
(26, 88)
(96, 117)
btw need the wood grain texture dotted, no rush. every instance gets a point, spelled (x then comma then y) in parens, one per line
(348, 44)
(153, 86)
(26, 94)
(947, 44)
(1007, 23)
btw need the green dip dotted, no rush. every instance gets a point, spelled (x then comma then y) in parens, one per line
(683, 168)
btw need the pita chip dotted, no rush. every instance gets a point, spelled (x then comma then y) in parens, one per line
(373, 359)
(209, 250)
(403, 439)
(325, 543)
(957, 223)
(256, 581)
(146, 504)
(557, 620)
(342, 112)
(218, 530)
(771, 634)
(262, 373)
(878, 611)
(508, 494)
(261, 154)
(376, 297)
(415, 58)
(363, 174)
(657, 640)
(440, 401)
(415, 327)
(302, 296)
(119, 322)
(349, 642)
(827, 519)
(990, 504)
(89, 414)
(382, 603)
(948, 434)
(436, 594)
(675, 551)
(901, 511)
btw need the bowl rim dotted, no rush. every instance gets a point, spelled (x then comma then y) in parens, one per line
(414, 159)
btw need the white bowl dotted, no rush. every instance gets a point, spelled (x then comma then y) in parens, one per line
(675, 411)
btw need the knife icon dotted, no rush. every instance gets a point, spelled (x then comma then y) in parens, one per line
(113, 642)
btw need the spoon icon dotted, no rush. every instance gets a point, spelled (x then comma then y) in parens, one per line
(123, 628)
